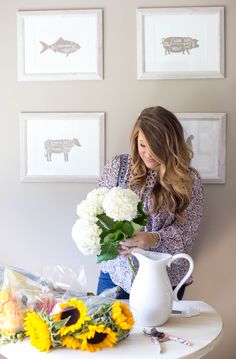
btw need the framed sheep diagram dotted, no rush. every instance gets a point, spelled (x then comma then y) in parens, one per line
(61, 147)
(180, 43)
(60, 45)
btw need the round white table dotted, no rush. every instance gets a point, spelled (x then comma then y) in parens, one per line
(203, 331)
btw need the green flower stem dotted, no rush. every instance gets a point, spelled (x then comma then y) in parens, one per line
(132, 267)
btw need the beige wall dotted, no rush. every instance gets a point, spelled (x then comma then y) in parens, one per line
(36, 218)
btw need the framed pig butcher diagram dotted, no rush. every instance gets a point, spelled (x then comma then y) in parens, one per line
(60, 45)
(61, 146)
(180, 43)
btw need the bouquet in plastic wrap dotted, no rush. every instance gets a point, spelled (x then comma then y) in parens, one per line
(79, 323)
(18, 292)
(60, 313)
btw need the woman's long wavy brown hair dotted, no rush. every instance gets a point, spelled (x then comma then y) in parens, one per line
(165, 140)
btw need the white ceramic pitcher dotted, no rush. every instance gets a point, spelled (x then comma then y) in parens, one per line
(151, 295)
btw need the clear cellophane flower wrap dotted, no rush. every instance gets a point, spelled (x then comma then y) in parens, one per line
(18, 292)
(21, 291)
(58, 312)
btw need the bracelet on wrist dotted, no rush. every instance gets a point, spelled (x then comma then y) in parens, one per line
(157, 239)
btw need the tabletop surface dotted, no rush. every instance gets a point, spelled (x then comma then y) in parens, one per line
(203, 331)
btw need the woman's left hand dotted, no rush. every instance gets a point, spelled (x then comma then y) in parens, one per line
(141, 240)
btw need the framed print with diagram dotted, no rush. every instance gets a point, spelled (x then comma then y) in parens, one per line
(206, 135)
(61, 147)
(60, 45)
(180, 43)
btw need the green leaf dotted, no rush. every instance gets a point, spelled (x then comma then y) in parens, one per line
(109, 237)
(141, 218)
(112, 254)
(118, 225)
(141, 221)
(101, 225)
(105, 222)
(128, 228)
(106, 257)
(136, 227)
(108, 250)
(113, 236)
(141, 210)
(60, 323)
(119, 236)
(12, 338)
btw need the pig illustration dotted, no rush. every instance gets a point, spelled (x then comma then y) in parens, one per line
(179, 44)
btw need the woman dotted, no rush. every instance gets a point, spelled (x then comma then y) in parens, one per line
(158, 170)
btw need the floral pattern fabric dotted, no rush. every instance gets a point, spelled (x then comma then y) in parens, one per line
(175, 237)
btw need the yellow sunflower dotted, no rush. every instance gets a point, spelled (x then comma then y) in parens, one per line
(97, 337)
(38, 331)
(76, 310)
(122, 316)
(70, 342)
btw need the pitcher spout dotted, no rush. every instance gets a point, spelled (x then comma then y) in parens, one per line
(138, 251)
(143, 255)
(139, 254)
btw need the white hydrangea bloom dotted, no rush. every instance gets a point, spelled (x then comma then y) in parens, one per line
(121, 204)
(86, 235)
(96, 196)
(92, 205)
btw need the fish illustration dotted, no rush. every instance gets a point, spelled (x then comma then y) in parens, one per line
(63, 46)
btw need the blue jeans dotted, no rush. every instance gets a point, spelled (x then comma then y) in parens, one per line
(105, 282)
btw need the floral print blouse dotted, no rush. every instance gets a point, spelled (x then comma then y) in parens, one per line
(175, 237)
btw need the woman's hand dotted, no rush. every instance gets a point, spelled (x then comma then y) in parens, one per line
(142, 240)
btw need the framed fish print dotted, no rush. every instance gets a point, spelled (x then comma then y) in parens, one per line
(206, 135)
(180, 43)
(61, 147)
(60, 45)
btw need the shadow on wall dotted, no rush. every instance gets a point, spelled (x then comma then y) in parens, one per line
(217, 217)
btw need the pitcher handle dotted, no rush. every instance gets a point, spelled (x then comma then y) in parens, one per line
(187, 275)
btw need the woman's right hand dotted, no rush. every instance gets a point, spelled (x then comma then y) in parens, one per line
(143, 240)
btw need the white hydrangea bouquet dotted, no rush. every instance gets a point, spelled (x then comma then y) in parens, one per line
(107, 217)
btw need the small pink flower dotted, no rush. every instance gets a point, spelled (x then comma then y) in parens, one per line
(45, 304)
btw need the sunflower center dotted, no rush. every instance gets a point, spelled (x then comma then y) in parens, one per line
(97, 338)
(71, 312)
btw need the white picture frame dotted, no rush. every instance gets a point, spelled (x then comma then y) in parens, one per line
(60, 45)
(180, 43)
(206, 134)
(61, 147)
